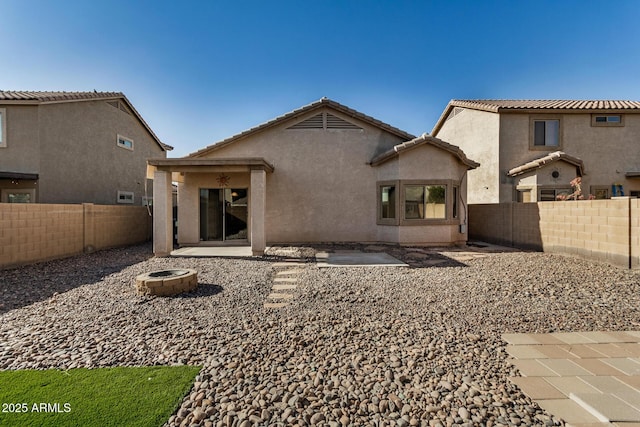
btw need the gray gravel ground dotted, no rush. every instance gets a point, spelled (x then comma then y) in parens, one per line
(357, 346)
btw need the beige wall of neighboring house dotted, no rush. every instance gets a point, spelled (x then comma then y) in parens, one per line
(473, 131)
(608, 151)
(325, 168)
(69, 143)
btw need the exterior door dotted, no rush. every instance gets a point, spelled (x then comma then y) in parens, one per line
(223, 214)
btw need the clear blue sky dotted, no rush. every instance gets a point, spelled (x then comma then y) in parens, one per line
(200, 71)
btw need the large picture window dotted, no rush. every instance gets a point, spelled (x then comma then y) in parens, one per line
(425, 202)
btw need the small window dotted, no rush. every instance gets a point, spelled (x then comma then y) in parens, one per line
(600, 192)
(125, 197)
(425, 202)
(388, 202)
(18, 196)
(546, 133)
(3, 127)
(455, 201)
(125, 142)
(607, 120)
(553, 194)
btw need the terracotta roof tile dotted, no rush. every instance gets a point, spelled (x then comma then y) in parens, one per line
(535, 105)
(46, 96)
(497, 105)
(424, 139)
(545, 160)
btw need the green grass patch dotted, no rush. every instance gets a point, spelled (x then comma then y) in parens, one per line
(145, 396)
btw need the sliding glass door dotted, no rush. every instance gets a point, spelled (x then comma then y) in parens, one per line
(223, 214)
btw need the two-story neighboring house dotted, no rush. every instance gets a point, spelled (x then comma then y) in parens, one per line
(530, 150)
(74, 147)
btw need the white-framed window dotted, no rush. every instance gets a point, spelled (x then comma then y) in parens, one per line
(125, 197)
(545, 133)
(607, 120)
(125, 142)
(3, 127)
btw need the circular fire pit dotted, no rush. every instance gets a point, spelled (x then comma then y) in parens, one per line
(166, 282)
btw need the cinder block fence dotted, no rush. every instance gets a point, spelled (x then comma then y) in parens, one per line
(38, 232)
(602, 230)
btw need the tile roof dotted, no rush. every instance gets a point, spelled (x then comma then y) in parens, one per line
(323, 102)
(47, 96)
(535, 105)
(44, 97)
(497, 105)
(545, 160)
(421, 140)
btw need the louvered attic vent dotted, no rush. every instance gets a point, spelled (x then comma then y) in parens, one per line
(119, 105)
(325, 121)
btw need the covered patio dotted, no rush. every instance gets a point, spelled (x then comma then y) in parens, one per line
(220, 202)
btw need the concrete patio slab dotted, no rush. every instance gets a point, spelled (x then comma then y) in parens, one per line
(596, 367)
(626, 365)
(564, 367)
(357, 259)
(572, 338)
(213, 251)
(568, 385)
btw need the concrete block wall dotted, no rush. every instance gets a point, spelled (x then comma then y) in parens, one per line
(603, 230)
(38, 232)
(119, 225)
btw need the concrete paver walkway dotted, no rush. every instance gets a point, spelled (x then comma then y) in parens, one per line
(585, 378)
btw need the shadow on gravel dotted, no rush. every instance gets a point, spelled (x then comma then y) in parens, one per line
(203, 290)
(22, 286)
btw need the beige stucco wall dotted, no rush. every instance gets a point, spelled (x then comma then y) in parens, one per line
(477, 133)
(323, 187)
(543, 178)
(72, 146)
(607, 152)
(429, 163)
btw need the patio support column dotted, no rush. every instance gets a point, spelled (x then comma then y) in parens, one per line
(162, 213)
(258, 203)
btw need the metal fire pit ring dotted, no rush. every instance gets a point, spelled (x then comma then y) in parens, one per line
(167, 282)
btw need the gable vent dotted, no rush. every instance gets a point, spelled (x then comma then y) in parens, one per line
(324, 121)
(334, 122)
(119, 105)
(314, 122)
(454, 112)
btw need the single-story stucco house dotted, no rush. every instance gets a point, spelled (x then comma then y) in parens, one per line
(321, 173)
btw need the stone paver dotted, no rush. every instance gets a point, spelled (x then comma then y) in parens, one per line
(284, 282)
(537, 388)
(586, 378)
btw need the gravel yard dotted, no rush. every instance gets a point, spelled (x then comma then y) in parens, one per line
(356, 346)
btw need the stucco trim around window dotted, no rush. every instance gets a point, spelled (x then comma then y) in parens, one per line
(607, 120)
(384, 216)
(3, 127)
(543, 123)
(124, 142)
(125, 197)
